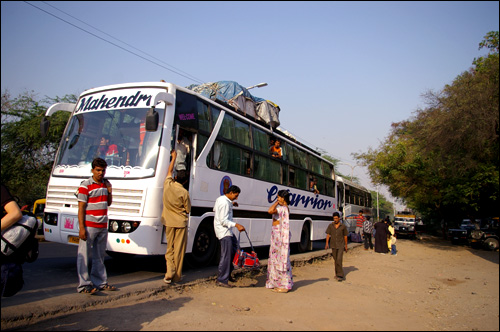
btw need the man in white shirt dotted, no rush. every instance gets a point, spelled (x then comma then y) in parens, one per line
(223, 222)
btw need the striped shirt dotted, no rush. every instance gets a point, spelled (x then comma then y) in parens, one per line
(96, 196)
(368, 226)
(359, 221)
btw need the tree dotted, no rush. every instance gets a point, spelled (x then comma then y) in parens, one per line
(27, 157)
(444, 161)
(385, 207)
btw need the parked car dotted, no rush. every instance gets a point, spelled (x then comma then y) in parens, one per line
(461, 235)
(487, 236)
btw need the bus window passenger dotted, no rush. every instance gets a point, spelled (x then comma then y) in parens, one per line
(275, 150)
(313, 186)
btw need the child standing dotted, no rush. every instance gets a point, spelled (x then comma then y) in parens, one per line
(393, 245)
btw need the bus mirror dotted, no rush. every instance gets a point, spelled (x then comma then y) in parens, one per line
(152, 119)
(44, 126)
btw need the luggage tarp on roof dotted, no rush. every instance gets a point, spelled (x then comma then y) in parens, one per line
(238, 96)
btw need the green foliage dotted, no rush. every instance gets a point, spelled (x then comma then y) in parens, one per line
(444, 161)
(385, 208)
(27, 157)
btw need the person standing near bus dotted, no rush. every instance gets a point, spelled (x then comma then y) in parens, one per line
(176, 207)
(337, 232)
(223, 222)
(360, 219)
(12, 270)
(367, 233)
(94, 198)
(390, 234)
(381, 233)
(279, 268)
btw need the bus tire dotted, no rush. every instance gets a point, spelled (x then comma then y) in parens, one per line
(305, 238)
(205, 245)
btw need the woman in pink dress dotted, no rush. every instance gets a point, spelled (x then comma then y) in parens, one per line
(279, 269)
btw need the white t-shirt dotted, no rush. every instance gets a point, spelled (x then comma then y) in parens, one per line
(223, 219)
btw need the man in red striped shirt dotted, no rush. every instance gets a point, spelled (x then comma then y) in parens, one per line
(94, 197)
(360, 219)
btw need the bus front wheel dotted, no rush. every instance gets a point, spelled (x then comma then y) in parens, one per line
(204, 245)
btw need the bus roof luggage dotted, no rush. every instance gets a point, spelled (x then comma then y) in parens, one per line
(238, 97)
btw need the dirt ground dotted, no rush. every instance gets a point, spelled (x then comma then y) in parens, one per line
(429, 285)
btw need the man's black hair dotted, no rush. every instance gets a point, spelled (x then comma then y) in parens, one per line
(233, 189)
(99, 162)
(182, 176)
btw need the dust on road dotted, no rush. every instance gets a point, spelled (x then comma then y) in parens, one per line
(429, 285)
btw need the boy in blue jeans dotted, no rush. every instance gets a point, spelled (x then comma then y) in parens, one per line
(393, 245)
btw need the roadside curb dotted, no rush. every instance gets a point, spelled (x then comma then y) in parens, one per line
(74, 302)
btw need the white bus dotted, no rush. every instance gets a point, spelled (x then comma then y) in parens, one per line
(139, 123)
(353, 198)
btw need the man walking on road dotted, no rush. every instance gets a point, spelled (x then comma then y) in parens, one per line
(337, 232)
(176, 207)
(223, 222)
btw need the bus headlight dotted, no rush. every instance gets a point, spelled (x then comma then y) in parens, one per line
(114, 226)
(126, 227)
(122, 226)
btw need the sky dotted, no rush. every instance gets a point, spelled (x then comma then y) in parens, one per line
(341, 72)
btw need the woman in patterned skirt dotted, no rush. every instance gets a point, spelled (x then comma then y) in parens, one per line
(279, 269)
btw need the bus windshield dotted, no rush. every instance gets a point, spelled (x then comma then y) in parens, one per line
(117, 136)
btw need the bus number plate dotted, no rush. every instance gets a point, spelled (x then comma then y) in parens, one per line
(73, 239)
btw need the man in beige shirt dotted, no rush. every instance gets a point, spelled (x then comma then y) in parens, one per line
(176, 207)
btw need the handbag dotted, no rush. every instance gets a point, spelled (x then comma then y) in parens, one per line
(244, 259)
(24, 230)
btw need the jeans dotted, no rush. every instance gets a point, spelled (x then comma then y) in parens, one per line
(228, 247)
(93, 250)
(393, 249)
(368, 240)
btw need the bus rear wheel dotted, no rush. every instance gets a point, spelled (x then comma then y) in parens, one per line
(205, 245)
(305, 238)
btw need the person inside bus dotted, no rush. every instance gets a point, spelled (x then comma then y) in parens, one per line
(106, 150)
(182, 149)
(275, 150)
(313, 186)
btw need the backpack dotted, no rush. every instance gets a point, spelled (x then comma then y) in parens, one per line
(19, 242)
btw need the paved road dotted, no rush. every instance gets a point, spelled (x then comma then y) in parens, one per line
(51, 281)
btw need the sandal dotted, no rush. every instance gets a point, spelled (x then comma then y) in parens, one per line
(108, 288)
(280, 290)
(89, 290)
